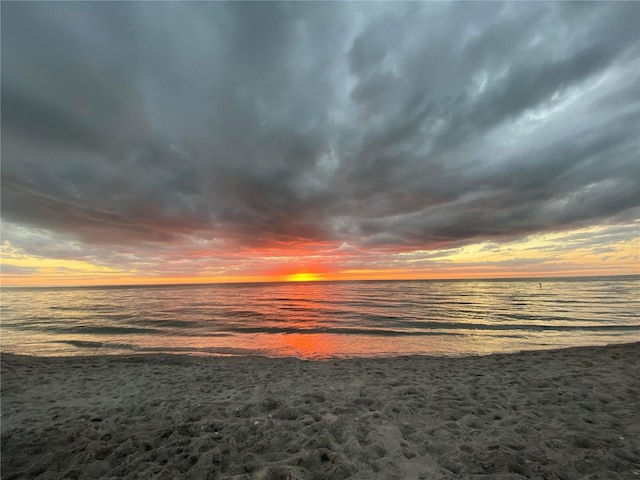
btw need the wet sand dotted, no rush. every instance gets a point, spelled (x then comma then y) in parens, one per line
(564, 414)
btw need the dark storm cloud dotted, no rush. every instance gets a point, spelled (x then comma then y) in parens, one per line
(387, 125)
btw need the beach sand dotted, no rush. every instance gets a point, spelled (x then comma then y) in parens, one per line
(564, 414)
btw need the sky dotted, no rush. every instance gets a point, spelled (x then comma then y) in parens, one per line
(147, 142)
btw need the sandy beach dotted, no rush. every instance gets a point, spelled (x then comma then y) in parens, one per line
(563, 414)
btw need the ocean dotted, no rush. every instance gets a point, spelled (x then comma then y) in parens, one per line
(320, 320)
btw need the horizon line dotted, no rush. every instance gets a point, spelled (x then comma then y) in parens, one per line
(260, 282)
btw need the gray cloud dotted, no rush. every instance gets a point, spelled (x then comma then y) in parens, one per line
(390, 126)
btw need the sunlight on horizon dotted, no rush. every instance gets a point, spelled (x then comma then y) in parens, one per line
(575, 253)
(304, 277)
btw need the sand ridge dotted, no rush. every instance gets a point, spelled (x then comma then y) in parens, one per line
(561, 414)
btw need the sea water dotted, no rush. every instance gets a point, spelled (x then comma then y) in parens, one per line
(318, 320)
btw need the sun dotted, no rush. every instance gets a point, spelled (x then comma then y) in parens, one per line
(303, 277)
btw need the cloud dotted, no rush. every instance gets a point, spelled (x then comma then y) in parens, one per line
(389, 127)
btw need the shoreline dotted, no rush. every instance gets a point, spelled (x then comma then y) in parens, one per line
(227, 352)
(549, 414)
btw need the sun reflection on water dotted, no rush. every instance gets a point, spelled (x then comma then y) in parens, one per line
(321, 319)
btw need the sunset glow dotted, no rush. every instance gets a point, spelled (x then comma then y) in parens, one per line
(304, 277)
(576, 253)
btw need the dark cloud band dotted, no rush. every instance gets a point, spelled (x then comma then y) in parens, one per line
(404, 126)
